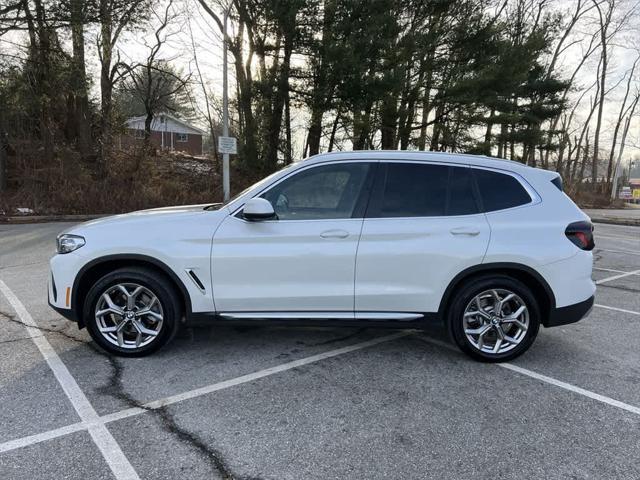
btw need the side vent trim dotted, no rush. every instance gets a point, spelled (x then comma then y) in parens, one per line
(194, 278)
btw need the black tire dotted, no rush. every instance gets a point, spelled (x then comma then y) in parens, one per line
(464, 297)
(157, 284)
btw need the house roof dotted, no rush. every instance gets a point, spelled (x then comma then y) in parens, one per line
(179, 126)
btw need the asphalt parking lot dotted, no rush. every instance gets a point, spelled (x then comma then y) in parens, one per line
(322, 403)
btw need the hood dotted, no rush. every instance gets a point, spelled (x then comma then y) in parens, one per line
(165, 216)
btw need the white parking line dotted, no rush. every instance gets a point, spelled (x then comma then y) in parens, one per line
(626, 252)
(616, 277)
(602, 269)
(572, 388)
(617, 309)
(129, 412)
(616, 237)
(552, 381)
(42, 437)
(198, 392)
(111, 451)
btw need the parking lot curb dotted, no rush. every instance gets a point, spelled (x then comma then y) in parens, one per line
(628, 222)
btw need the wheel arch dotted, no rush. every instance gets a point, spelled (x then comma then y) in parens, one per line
(525, 274)
(98, 267)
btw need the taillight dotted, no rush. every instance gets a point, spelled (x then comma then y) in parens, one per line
(581, 235)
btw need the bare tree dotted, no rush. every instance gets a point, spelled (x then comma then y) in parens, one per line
(624, 110)
(114, 16)
(206, 94)
(154, 82)
(80, 113)
(608, 30)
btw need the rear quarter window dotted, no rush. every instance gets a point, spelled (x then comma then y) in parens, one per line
(557, 182)
(499, 191)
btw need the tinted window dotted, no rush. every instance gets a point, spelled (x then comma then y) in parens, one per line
(499, 191)
(422, 190)
(414, 190)
(330, 191)
(461, 198)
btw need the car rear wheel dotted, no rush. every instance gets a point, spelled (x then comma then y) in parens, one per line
(494, 318)
(132, 312)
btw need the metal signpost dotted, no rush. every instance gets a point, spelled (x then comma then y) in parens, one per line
(225, 142)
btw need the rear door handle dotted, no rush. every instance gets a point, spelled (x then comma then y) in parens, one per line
(335, 234)
(469, 231)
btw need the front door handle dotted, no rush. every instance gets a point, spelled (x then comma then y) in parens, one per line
(335, 234)
(469, 231)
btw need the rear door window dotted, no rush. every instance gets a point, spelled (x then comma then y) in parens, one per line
(422, 190)
(499, 191)
(461, 199)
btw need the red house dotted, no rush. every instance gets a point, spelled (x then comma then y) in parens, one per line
(167, 133)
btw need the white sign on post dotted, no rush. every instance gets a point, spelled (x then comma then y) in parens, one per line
(228, 145)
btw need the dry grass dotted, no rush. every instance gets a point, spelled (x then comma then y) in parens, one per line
(130, 181)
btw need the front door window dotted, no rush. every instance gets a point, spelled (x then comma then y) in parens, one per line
(324, 192)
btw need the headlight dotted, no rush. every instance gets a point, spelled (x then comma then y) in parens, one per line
(66, 243)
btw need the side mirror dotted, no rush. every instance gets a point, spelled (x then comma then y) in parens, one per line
(258, 209)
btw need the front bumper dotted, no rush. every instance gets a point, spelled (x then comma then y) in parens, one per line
(61, 277)
(570, 313)
(67, 313)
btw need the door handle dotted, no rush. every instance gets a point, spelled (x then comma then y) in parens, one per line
(469, 231)
(335, 234)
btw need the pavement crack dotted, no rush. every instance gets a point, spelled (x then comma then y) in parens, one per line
(619, 287)
(13, 319)
(23, 265)
(115, 388)
(339, 339)
(13, 340)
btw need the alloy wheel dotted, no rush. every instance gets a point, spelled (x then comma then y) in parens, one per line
(496, 321)
(129, 315)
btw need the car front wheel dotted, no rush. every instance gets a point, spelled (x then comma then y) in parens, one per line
(132, 312)
(494, 318)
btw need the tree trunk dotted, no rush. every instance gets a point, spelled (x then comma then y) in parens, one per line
(502, 143)
(248, 127)
(275, 120)
(288, 153)
(334, 129)
(321, 91)
(106, 85)
(361, 128)
(81, 120)
(389, 121)
(3, 159)
(315, 130)
(604, 25)
(486, 148)
(148, 119)
(41, 49)
(619, 122)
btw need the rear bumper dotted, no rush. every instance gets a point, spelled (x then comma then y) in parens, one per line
(570, 313)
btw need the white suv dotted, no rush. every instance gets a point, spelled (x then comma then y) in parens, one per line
(492, 247)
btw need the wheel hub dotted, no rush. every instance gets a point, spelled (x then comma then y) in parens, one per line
(496, 321)
(129, 315)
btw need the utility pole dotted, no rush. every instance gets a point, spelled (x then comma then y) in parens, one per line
(3, 152)
(226, 185)
(3, 162)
